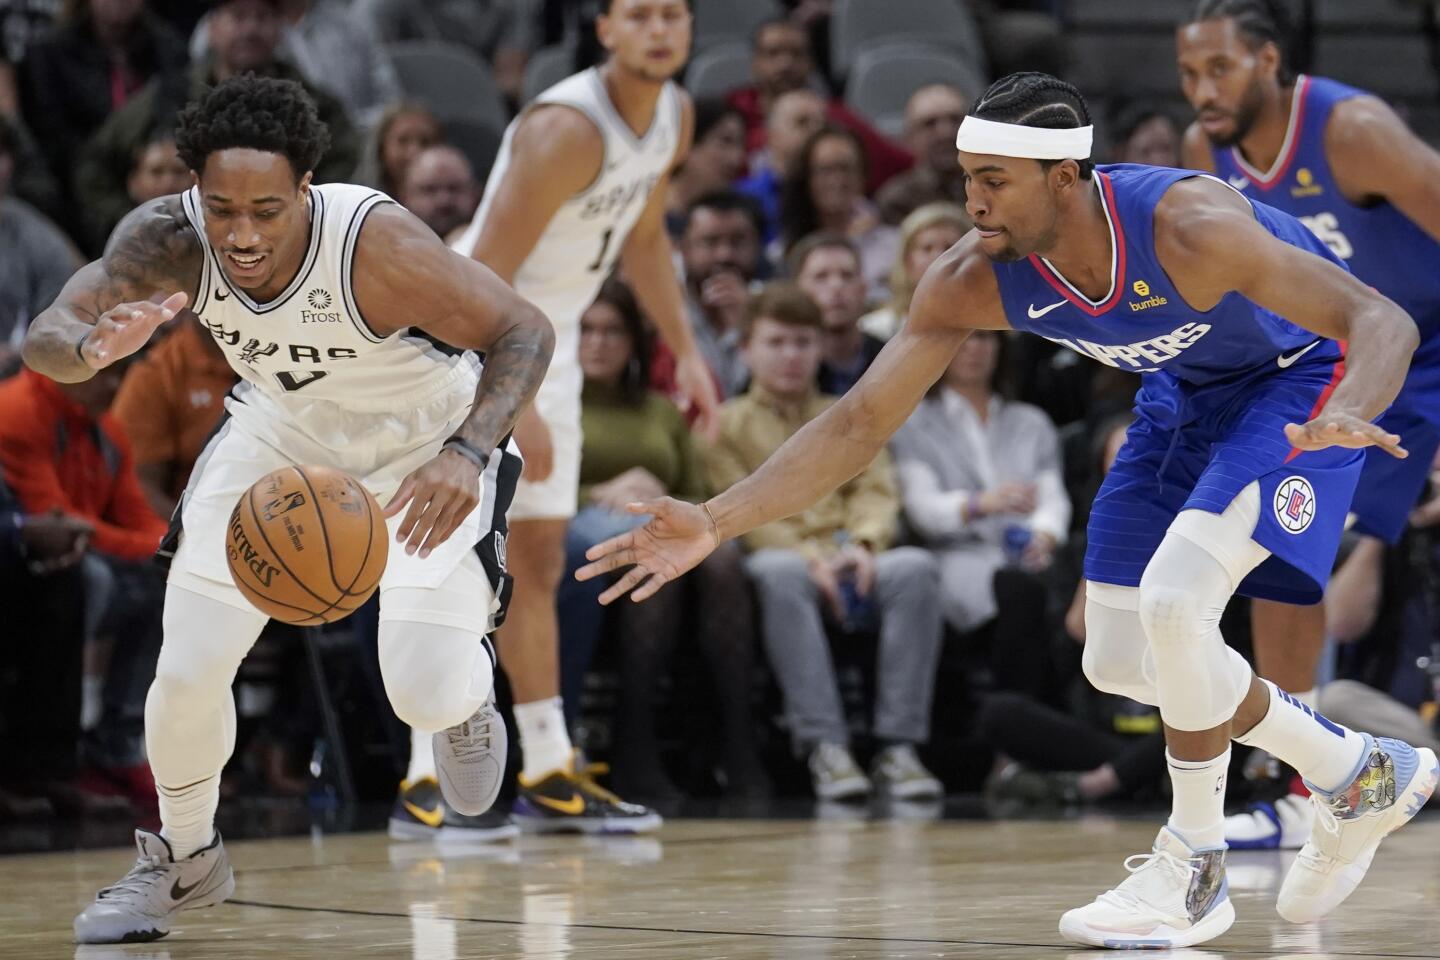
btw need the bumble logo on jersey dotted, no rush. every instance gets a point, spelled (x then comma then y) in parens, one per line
(1142, 289)
(1305, 185)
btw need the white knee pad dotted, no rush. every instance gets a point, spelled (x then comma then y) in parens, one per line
(433, 656)
(1183, 593)
(1117, 655)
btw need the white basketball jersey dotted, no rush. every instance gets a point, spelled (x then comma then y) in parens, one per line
(311, 342)
(583, 240)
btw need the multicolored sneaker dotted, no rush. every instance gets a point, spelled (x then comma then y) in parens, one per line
(1282, 825)
(1393, 782)
(570, 801)
(420, 813)
(140, 905)
(1174, 897)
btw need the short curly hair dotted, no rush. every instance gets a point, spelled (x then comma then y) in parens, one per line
(255, 113)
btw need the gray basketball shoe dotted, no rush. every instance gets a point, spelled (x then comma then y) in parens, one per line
(140, 906)
(470, 760)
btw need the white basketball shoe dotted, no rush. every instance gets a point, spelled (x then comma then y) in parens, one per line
(1393, 783)
(140, 905)
(1282, 825)
(1174, 897)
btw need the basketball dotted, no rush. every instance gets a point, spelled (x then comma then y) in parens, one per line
(306, 545)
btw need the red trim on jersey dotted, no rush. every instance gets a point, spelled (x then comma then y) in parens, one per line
(1296, 129)
(1117, 237)
(1335, 377)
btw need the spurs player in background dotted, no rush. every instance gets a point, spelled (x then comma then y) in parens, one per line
(578, 189)
(1235, 477)
(314, 294)
(1346, 166)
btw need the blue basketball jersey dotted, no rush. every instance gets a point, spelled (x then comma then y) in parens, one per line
(1190, 360)
(1381, 245)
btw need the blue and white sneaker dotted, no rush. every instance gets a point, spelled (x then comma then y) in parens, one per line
(1282, 825)
(1393, 782)
(1174, 897)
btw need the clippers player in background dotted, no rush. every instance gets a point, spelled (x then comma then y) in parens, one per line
(324, 299)
(1235, 477)
(578, 189)
(1341, 161)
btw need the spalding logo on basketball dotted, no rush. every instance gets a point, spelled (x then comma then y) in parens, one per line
(1295, 504)
(307, 545)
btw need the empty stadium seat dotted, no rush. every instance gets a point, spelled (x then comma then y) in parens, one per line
(547, 67)
(730, 20)
(945, 23)
(1389, 65)
(718, 70)
(449, 79)
(885, 74)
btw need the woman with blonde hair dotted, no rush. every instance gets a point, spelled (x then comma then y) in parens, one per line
(925, 234)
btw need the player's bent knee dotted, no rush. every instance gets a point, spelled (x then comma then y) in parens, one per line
(1170, 614)
(1123, 676)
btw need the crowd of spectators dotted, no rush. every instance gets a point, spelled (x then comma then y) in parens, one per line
(800, 231)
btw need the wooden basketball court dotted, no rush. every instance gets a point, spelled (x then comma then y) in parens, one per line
(711, 889)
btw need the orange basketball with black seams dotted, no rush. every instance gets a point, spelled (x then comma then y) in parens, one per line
(307, 545)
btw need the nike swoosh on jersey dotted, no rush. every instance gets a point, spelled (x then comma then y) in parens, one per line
(1037, 314)
(1283, 361)
(431, 818)
(572, 807)
(1239, 182)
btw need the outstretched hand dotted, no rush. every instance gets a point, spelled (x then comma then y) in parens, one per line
(441, 493)
(1342, 430)
(124, 329)
(678, 536)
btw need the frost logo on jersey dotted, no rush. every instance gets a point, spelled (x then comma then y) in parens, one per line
(253, 351)
(320, 299)
(1295, 504)
(1143, 356)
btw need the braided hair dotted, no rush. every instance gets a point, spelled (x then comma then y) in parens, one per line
(1036, 100)
(1259, 22)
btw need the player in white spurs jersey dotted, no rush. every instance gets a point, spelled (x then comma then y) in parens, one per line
(577, 190)
(317, 295)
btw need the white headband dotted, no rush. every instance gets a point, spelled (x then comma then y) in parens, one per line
(1013, 140)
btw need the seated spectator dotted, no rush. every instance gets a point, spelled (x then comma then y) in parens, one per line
(35, 260)
(830, 563)
(715, 162)
(40, 670)
(169, 404)
(793, 119)
(824, 192)
(102, 54)
(335, 52)
(982, 486)
(439, 187)
(781, 62)
(827, 268)
(924, 235)
(720, 250)
(157, 171)
(932, 118)
(1146, 133)
(244, 35)
(22, 23)
(61, 449)
(499, 32)
(30, 176)
(638, 446)
(404, 132)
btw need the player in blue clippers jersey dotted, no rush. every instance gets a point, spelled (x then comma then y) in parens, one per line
(1342, 162)
(1236, 475)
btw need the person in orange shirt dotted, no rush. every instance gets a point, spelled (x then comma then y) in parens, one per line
(168, 405)
(61, 449)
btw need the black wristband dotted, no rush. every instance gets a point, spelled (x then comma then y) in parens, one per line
(466, 449)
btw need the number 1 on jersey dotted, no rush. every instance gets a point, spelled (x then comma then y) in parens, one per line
(604, 249)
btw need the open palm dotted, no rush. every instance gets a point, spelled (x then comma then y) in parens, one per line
(676, 539)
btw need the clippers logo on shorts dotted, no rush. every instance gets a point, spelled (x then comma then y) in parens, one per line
(1294, 504)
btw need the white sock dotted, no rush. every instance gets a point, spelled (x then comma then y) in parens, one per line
(1325, 753)
(544, 740)
(188, 815)
(1311, 697)
(92, 690)
(1198, 811)
(422, 757)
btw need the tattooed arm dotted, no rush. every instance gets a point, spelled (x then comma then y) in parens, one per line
(110, 307)
(405, 276)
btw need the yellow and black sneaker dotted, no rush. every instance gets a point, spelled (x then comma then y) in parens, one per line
(421, 813)
(567, 801)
